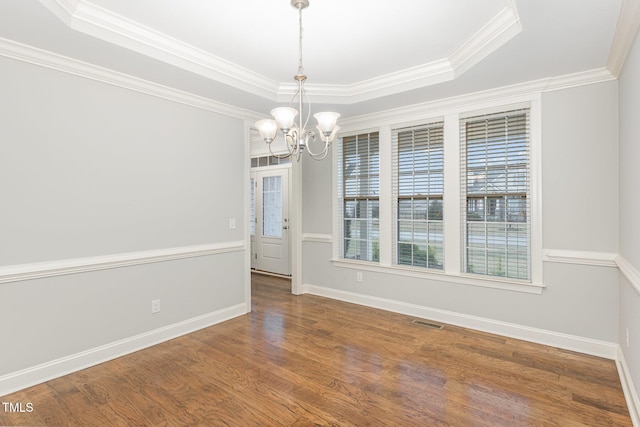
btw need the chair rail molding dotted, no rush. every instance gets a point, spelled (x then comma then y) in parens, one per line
(602, 259)
(16, 273)
(630, 272)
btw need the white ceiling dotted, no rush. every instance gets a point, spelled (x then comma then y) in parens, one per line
(360, 56)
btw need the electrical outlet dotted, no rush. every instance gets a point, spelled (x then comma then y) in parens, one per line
(627, 337)
(155, 306)
(359, 276)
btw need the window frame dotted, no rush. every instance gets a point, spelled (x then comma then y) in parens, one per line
(483, 159)
(452, 113)
(368, 200)
(401, 195)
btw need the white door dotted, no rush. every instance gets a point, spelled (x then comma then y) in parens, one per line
(271, 228)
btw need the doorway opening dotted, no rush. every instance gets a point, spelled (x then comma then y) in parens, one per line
(269, 216)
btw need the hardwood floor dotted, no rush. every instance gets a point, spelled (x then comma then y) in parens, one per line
(306, 360)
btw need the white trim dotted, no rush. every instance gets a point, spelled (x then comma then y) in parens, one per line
(556, 339)
(385, 192)
(626, 29)
(317, 238)
(496, 33)
(15, 273)
(295, 227)
(56, 368)
(104, 24)
(630, 395)
(460, 279)
(535, 190)
(629, 271)
(32, 55)
(602, 259)
(505, 95)
(247, 214)
(63, 9)
(451, 197)
(452, 244)
(336, 226)
(86, 17)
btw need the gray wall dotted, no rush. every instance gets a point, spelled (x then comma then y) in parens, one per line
(580, 300)
(630, 207)
(580, 159)
(89, 169)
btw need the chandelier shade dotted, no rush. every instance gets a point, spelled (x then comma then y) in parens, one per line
(284, 117)
(326, 121)
(268, 129)
(296, 134)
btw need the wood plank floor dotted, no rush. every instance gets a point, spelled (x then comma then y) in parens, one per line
(307, 360)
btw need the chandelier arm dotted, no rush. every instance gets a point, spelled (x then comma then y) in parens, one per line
(324, 151)
(292, 146)
(320, 156)
(281, 156)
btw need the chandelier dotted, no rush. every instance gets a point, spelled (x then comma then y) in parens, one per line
(296, 135)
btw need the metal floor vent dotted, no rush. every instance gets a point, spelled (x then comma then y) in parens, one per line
(426, 324)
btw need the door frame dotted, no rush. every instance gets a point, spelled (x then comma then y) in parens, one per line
(257, 174)
(255, 146)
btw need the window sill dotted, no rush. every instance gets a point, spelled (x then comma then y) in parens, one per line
(461, 279)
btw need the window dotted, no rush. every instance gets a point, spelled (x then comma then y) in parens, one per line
(360, 197)
(272, 206)
(259, 162)
(495, 195)
(450, 196)
(418, 190)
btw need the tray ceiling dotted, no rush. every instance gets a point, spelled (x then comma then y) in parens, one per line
(362, 53)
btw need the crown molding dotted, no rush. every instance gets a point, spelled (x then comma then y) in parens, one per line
(42, 58)
(502, 94)
(96, 21)
(496, 33)
(64, 10)
(388, 84)
(39, 57)
(86, 17)
(626, 29)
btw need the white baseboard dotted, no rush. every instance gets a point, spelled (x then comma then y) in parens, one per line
(541, 336)
(56, 368)
(630, 394)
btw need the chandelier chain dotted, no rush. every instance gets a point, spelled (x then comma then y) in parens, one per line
(300, 68)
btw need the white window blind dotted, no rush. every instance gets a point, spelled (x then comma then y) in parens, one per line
(496, 195)
(360, 189)
(418, 188)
